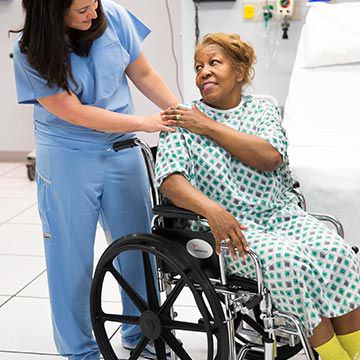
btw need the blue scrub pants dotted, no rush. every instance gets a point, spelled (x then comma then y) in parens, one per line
(75, 188)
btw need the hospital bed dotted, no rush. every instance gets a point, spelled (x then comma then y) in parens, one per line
(322, 114)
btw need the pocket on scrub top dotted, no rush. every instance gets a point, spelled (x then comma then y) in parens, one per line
(110, 62)
(43, 194)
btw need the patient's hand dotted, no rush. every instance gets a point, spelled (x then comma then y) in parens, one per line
(191, 119)
(225, 227)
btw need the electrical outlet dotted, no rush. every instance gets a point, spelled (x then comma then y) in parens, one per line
(285, 8)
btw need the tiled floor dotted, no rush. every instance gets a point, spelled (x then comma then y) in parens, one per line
(25, 328)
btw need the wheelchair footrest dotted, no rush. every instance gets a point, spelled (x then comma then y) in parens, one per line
(241, 283)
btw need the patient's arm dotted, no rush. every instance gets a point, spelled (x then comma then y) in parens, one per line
(251, 150)
(222, 224)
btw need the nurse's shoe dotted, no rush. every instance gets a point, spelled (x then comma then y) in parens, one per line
(149, 351)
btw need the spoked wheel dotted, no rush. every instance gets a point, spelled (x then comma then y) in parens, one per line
(155, 317)
(284, 352)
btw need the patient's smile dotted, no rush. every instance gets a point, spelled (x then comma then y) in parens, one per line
(208, 85)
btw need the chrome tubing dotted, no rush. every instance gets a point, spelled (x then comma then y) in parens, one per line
(229, 314)
(331, 219)
(150, 166)
(301, 333)
(300, 198)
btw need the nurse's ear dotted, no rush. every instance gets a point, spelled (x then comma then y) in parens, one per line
(240, 72)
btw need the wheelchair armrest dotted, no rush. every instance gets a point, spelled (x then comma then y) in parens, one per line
(336, 222)
(331, 219)
(172, 211)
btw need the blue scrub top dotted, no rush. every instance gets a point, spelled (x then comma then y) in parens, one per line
(100, 77)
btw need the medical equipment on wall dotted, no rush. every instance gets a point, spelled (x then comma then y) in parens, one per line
(272, 12)
(267, 28)
(285, 9)
(197, 3)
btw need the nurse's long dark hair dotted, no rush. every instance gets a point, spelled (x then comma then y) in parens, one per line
(47, 45)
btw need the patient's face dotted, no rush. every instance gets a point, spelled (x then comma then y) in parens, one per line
(219, 82)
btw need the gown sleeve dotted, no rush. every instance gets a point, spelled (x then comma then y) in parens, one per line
(172, 157)
(270, 129)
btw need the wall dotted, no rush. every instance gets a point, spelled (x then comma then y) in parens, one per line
(16, 129)
(16, 133)
(228, 17)
(158, 48)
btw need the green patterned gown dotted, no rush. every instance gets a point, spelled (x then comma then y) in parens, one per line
(309, 270)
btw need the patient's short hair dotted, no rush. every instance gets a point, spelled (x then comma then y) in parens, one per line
(238, 50)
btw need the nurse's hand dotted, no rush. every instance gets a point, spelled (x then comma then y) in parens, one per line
(154, 123)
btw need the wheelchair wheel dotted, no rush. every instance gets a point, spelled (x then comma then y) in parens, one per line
(155, 317)
(284, 352)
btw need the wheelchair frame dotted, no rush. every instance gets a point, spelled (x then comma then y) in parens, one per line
(237, 303)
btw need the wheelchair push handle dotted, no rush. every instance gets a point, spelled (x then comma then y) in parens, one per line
(121, 145)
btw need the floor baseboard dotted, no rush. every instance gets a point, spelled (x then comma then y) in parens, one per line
(13, 156)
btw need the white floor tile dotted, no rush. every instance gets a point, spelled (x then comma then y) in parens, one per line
(25, 325)
(29, 216)
(38, 288)
(4, 299)
(5, 167)
(19, 239)
(17, 271)
(19, 172)
(26, 356)
(100, 244)
(17, 188)
(11, 207)
(110, 291)
(185, 298)
(299, 357)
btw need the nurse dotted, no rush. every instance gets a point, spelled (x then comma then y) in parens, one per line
(73, 60)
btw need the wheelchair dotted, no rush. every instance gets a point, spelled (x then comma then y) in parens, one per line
(235, 317)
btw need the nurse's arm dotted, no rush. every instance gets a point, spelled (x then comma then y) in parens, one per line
(150, 83)
(68, 108)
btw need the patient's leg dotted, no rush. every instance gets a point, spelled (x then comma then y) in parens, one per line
(347, 323)
(326, 343)
(347, 328)
(322, 333)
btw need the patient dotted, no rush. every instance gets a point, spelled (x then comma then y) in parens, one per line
(228, 161)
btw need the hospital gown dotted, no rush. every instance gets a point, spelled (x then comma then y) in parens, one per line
(309, 270)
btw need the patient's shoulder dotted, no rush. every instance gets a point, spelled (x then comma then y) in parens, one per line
(265, 101)
(262, 106)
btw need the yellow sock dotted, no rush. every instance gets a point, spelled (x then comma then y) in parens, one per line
(332, 350)
(351, 344)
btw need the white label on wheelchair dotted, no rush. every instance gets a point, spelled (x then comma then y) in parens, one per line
(199, 248)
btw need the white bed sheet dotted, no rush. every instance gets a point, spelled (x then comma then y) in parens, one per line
(322, 119)
(323, 104)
